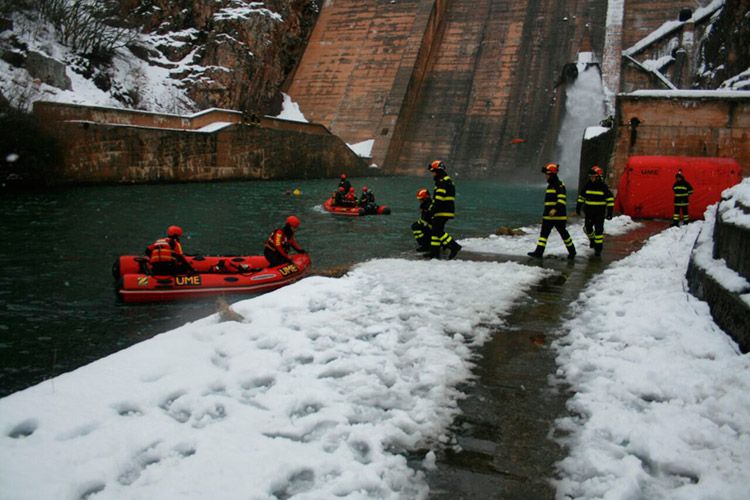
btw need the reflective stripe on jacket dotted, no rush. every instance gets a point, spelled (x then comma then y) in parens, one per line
(555, 197)
(596, 195)
(443, 198)
(682, 191)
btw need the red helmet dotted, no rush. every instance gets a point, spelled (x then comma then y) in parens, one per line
(343, 176)
(364, 188)
(551, 168)
(596, 171)
(351, 189)
(174, 231)
(423, 194)
(341, 189)
(292, 221)
(436, 165)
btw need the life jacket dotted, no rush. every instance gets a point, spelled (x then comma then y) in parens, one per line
(164, 250)
(280, 243)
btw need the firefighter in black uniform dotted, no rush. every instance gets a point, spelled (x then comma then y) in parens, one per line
(422, 228)
(682, 191)
(555, 212)
(598, 202)
(442, 209)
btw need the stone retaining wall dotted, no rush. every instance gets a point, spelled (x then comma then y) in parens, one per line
(732, 244)
(106, 145)
(729, 311)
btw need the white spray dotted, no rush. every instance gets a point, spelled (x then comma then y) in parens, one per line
(584, 107)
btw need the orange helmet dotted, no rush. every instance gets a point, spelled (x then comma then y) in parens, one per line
(174, 231)
(364, 189)
(551, 168)
(292, 221)
(423, 194)
(436, 165)
(596, 171)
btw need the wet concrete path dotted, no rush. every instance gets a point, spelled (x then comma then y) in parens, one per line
(506, 448)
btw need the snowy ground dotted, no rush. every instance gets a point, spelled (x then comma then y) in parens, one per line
(521, 244)
(327, 384)
(661, 393)
(317, 393)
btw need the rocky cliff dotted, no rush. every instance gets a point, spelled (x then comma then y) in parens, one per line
(239, 53)
(165, 57)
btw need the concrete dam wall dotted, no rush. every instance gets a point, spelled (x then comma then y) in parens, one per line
(457, 80)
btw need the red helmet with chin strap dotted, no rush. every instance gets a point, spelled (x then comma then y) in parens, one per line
(292, 221)
(436, 165)
(551, 168)
(174, 231)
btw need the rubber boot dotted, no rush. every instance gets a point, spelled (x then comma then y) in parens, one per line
(454, 248)
(434, 253)
(538, 252)
(598, 250)
(571, 253)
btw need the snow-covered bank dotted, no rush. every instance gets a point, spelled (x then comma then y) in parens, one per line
(316, 394)
(521, 244)
(661, 393)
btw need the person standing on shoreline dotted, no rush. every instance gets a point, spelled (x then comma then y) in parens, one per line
(682, 191)
(442, 210)
(597, 202)
(555, 213)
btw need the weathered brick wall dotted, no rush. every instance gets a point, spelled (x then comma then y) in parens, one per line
(643, 18)
(452, 80)
(113, 153)
(682, 126)
(54, 111)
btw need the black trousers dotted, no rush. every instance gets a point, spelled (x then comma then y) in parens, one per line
(593, 226)
(547, 227)
(439, 237)
(274, 258)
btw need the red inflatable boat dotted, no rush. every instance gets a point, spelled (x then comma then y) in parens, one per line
(328, 206)
(216, 275)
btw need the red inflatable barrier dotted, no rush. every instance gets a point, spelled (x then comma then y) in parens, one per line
(645, 188)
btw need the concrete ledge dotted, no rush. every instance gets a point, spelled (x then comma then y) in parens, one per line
(709, 278)
(108, 145)
(732, 243)
(729, 311)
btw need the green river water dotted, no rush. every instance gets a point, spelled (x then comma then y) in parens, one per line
(58, 309)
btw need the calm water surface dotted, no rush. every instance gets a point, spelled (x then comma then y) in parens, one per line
(58, 309)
